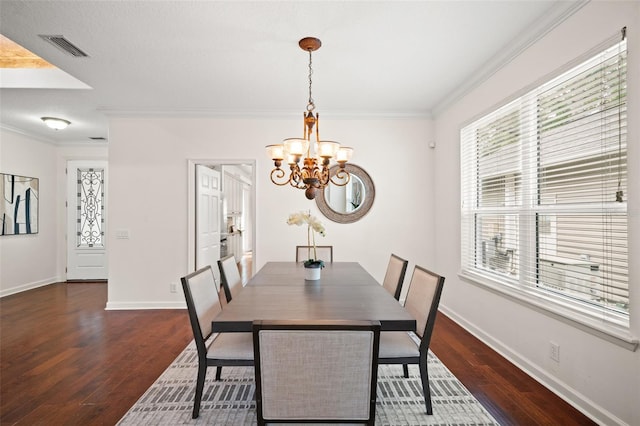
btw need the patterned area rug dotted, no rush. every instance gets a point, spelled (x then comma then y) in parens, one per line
(169, 401)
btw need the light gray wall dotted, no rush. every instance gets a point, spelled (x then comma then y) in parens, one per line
(602, 378)
(148, 162)
(29, 261)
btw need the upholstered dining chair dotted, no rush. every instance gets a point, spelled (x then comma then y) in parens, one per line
(398, 347)
(306, 252)
(394, 276)
(230, 276)
(316, 371)
(222, 296)
(214, 349)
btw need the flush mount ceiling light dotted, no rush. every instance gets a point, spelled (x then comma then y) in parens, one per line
(314, 174)
(56, 123)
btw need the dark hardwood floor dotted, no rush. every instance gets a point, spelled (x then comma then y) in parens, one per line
(510, 395)
(64, 360)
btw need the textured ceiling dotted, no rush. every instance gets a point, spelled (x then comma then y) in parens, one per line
(381, 58)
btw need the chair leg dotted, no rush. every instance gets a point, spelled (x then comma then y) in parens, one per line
(202, 373)
(405, 370)
(424, 375)
(218, 372)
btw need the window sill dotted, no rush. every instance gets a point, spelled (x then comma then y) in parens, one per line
(610, 332)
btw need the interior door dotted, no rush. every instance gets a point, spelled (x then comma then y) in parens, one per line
(208, 186)
(86, 220)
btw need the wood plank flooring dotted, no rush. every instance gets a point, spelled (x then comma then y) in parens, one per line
(64, 360)
(510, 395)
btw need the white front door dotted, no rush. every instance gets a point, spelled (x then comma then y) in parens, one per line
(208, 221)
(86, 220)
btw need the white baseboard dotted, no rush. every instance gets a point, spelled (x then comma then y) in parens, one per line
(123, 306)
(28, 286)
(583, 404)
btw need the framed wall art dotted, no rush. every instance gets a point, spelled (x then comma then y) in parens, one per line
(19, 197)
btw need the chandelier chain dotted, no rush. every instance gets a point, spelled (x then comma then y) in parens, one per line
(311, 105)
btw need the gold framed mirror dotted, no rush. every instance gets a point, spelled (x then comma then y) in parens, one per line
(348, 203)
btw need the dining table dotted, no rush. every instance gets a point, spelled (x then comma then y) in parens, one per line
(345, 291)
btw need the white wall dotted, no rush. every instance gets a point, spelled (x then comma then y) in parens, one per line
(600, 377)
(29, 261)
(148, 160)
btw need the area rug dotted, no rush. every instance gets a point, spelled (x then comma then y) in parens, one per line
(231, 401)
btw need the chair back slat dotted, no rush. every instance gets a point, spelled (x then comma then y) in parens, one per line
(202, 300)
(331, 375)
(230, 276)
(423, 297)
(306, 252)
(394, 276)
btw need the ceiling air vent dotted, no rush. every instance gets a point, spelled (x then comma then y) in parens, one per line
(97, 138)
(65, 45)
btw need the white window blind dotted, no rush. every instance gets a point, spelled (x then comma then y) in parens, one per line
(544, 182)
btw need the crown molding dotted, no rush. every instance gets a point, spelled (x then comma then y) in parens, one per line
(214, 113)
(30, 135)
(550, 20)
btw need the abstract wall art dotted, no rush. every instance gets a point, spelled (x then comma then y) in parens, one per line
(18, 204)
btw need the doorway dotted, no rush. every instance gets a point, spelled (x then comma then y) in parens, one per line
(86, 220)
(235, 214)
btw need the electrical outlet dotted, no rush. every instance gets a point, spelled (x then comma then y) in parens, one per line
(554, 351)
(173, 288)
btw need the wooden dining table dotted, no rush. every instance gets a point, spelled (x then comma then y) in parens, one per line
(346, 291)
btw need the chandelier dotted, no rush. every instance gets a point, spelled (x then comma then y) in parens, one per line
(314, 174)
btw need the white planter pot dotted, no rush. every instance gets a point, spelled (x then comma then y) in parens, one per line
(312, 274)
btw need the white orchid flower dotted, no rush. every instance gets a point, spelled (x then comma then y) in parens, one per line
(313, 225)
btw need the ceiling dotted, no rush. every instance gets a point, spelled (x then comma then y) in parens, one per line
(232, 58)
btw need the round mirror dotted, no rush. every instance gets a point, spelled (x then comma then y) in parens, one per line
(347, 203)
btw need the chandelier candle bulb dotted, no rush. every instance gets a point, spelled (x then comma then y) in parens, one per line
(276, 152)
(344, 154)
(328, 149)
(296, 146)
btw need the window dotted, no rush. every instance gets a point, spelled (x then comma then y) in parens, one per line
(90, 217)
(544, 212)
